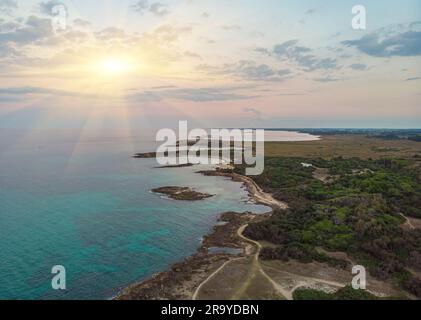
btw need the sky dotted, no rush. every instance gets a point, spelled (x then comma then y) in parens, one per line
(238, 63)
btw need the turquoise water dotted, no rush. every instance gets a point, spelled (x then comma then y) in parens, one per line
(79, 200)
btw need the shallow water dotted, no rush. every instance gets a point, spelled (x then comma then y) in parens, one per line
(79, 200)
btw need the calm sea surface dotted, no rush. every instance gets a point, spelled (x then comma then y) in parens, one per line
(79, 200)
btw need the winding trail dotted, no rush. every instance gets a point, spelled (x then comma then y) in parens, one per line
(302, 281)
(408, 222)
(256, 265)
(262, 197)
(257, 193)
(306, 281)
(196, 293)
(259, 248)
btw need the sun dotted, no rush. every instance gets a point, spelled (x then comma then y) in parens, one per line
(115, 65)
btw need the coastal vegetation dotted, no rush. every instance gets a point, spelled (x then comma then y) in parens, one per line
(346, 293)
(359, 210)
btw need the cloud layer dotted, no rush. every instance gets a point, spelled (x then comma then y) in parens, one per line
(401, 44)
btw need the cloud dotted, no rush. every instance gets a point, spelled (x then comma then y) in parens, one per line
(33, 30)
(231, 28)
(205, 15)
(290, 50)
(47, 8)
(189, 94)
(25, 43)
(111, 33)
(401, 44)
(252, 110)
(23, 90)
(326, 79)
(140, 7)
(7, 51)
(156, 8)
(263, 51)
(8, 6)
(190, 54)
(159, 9)
(413, 79)
(168, 33)
(81, 23)
(20, 92)
(335, 35)
(8, 26)
(257, 113)
(358, 66)
(291, 94)
(33, 42)
(8, 99)
(310, 11)
(249, 70)
(307, 14)
(326, 63)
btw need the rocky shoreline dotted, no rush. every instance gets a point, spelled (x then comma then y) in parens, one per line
(183, 278)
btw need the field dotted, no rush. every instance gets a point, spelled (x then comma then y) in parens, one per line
(347, 146)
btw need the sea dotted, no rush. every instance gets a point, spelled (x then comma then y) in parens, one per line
(78, 199)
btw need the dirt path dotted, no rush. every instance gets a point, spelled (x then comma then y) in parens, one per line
(264, 198)
(261, 197)
(196, 293)
(303, 281)
(308, 281)
(275, 285)
(408, 222)
(255, 268)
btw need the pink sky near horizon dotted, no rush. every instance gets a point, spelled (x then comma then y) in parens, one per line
(211, 63)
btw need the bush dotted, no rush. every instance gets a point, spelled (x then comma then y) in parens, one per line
(346, 293)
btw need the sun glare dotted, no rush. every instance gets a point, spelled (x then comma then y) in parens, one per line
(116, 65)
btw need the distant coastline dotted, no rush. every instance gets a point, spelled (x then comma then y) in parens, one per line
(223, 236)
